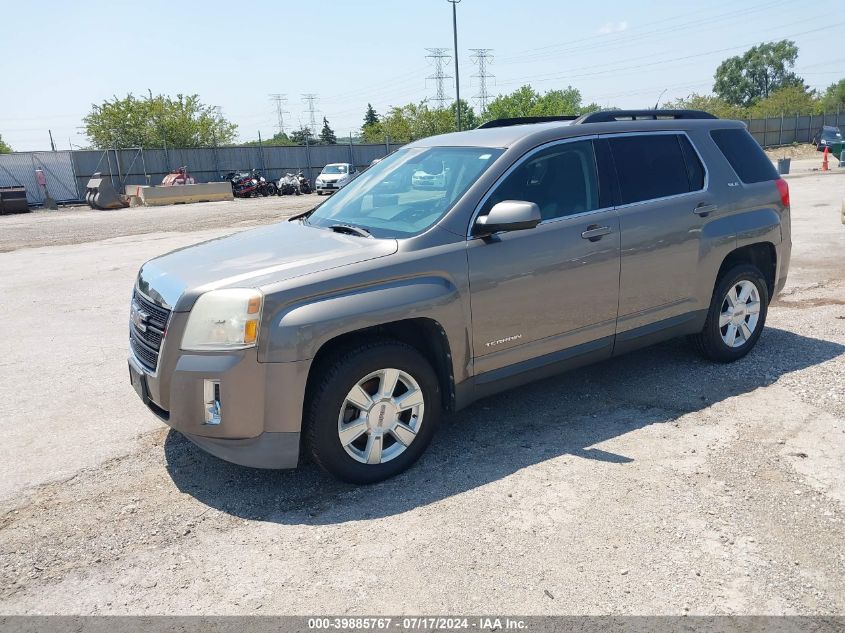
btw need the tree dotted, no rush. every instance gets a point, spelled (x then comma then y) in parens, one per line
(279, 138)
(526, 101)
(370, 116)
(327, 136)
(157, 121)
(413, 121)
(373, 133)
(4, 147)
(745, 79)
(709, 103)
(789, 100)
(834, 97)
(469, 119)
(303, 134)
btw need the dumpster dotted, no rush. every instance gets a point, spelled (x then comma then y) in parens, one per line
(13, 200)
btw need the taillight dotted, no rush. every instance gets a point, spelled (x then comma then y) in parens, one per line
(783, 188)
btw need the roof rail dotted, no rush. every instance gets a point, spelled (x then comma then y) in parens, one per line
(609, 116)
(522, 120)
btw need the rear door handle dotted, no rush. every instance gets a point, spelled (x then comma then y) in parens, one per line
(704, 209)
(595, 232)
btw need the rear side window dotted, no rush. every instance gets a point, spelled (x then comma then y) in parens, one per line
(695, 170)
(649, 166)
(745, 155)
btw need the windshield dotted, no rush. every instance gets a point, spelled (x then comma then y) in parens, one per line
(334, 169)
(828, 133)
(397, 198)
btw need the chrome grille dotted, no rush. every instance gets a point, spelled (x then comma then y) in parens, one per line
(147, 325)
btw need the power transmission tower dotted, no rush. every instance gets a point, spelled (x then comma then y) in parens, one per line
(439, 56)
(310, 98)
(280, 101)
(482, 57)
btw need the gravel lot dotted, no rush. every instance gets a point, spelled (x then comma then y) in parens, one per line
(653, 483)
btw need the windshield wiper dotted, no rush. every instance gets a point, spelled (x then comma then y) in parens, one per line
(351, 229)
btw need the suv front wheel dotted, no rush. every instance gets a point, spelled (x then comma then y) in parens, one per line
(373, 410)
(736, 316)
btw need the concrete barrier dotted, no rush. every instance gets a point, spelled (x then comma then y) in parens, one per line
(180, 194)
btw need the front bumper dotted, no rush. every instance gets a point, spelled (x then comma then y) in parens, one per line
(329, 186)
(260, 403)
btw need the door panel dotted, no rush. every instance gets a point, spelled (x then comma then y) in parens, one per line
(662, 184)
(542, 290)
(660, 254)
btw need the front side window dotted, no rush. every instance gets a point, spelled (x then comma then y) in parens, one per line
(407, 192)
(560, 179)
(650, 166)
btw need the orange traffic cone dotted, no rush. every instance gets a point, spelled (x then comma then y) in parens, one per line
(824, 160)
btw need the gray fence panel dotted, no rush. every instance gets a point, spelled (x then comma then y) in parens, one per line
(18, 169)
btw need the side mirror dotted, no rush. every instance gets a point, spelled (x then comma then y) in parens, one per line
(508, 215)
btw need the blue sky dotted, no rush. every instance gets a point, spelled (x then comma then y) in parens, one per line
(234, 54)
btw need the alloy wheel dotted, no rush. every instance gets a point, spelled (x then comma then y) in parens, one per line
(740, 313)
(381, 416)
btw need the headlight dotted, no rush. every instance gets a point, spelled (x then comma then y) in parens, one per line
(223, 320)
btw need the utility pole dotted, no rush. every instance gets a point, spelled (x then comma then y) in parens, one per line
(439, 56)
(482, 57)
(310, 98)
(457, 76)
(281, 101)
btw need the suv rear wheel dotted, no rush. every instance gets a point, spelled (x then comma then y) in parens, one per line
(736, 316)
(373, 410)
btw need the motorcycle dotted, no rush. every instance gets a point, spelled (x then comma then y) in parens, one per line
(304, 183)
(248, 184)
(266, 187)
(288, 184)
(244, 185)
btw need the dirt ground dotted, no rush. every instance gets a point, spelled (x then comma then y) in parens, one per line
(656, 483)
(797, 151)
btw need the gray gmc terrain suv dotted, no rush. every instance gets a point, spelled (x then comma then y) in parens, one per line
(348, 330)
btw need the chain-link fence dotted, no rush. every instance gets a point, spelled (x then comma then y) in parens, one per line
(18, 170)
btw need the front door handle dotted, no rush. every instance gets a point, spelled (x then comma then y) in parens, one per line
(595, 232)
(704, 209)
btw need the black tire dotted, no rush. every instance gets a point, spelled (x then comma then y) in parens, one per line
(709, 341)
(331, 383)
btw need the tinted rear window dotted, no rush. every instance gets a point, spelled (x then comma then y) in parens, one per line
(649, 166)
(745, 155)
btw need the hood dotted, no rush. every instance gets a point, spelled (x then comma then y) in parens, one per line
(253, 258)
(332, 177)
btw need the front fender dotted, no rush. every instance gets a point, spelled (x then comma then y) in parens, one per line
(299, 331)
